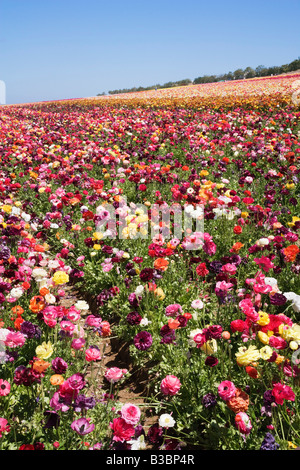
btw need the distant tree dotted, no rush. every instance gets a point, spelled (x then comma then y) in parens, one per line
(249, 72)
(238, 74)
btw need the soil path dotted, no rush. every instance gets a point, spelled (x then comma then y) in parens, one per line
(116, 354)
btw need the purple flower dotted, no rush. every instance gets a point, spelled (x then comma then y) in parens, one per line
(52, 419)
(209, 400)
(84, 403)
(277, 299)
(269, 443)
(59, 365)
(82, 426)
(134, 318)
(155, 434)
(143, 340)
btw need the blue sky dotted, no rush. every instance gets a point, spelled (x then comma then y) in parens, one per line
(55, 49)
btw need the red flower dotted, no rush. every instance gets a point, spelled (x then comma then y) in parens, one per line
(202, 270)
(282, 392)
(237, 229)
(122, 430)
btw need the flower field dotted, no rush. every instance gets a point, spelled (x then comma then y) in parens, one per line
(208, 310)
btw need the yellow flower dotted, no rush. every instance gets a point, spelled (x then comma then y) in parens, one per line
(159, 293)
(294, 220)
(60, 277)
(210, 347)
(266, 352)
(97, 235)
(6, 208)
(292, 445)
(244, 215)
(263, 337)
(44, 350)
(245, 357)
(263, 318)
(97, 247)
(279, 359)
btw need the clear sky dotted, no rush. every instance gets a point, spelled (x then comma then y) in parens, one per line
(55, 49)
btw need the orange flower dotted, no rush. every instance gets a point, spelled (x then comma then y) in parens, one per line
(240, 402)
(161, 264)
(37, 304)
(56, 379)
(40, 366)
(173, 323)
(17, 310)
(44, 291)
(236, 247)
(26, 285)
(291, 252)
(18, 322)
(105, 328)
(1, 323)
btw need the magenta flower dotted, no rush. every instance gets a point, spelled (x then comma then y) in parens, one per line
(82, 426)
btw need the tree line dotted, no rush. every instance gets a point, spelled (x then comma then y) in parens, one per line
(239, 74)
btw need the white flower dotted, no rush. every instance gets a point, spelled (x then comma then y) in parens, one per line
(192, 334)
(166, 421)
(262, 242)
(197, 304)
(138, 444)
(50, 299)
(145, 322)
(39, 273)
(82, 305)
(3, 334)
(16, 292)
(139, 290)
(53, 264)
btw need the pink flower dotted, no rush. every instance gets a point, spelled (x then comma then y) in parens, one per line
(173, 309)
(78, 343)
(264, 263)
(114, 374)
(130, 413)
(93, 321)
(170, 385)
(229, 268)
(14, 339)
(4, 427)
(4, 388)
(67, 326)
(282, 392)
(277, 342)
(243, 422)
(226, 390)
(122, 430)
(92, 354)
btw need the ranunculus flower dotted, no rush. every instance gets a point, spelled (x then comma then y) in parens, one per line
(122, 431)
(143, 340)
(226, 390)
(114, 374)
(82, 426)
(243, 423)
(92, 354)
(131, 413)
(170, 385)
